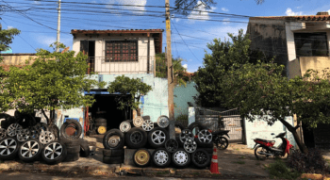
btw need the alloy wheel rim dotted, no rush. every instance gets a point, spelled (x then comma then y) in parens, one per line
(185, 135)
(171, 145)
(161, 157)
(7, 146)
(125, 126)
(46, 137)
(141, 157)
(222, 143)
(23, 135)
(53, 150)
(136, 137)
(205, 136)
(163, 122)
(13, 129)
(181, 157)
(138, 121)
(200, 157)
(147, 125)
(113, 141)
(29, 149)
(190, 146)
(158, 137)
(3, 133)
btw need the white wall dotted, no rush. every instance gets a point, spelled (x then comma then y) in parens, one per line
(119, 67)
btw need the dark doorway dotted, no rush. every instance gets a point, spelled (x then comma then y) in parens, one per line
(308, 136)
(88, 47)
(106, 107)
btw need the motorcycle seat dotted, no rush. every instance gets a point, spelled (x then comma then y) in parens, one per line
(265, 140)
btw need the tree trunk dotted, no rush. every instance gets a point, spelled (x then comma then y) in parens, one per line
(43, 112)
(293, 130)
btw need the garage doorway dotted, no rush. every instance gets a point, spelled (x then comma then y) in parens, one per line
(106, 106)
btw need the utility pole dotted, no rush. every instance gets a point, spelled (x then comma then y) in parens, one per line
(58, 25)
(170, 77)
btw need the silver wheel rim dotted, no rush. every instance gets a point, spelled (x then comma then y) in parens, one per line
(205, 136)
(185, 135)
(23, 135)
(161, 157)
(147, 125)
(7, 146)
(29, 149)
(13, 129)
(158, 137)
(125, 126)
(180, 157)
(190, 146)
(163, 121)
(136, 137)
(53, 150)
(46, 137)
(113, 141)
(138, 121)
(3, 133)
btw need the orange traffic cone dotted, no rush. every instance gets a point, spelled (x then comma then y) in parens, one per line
(214, 162)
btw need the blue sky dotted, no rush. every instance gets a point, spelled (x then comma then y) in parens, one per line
(38, 21)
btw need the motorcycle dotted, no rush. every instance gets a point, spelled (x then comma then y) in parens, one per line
(265, 148)
(219, 140)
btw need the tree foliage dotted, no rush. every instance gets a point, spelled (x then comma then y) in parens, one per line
(54, 80)
(208, 79)
(134, 87)
(6, 37)
(179, 71)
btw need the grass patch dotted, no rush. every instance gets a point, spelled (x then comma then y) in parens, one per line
(239, 162)
(279, 170)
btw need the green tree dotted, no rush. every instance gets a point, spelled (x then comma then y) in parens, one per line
(6, 38)
(179, 71)
(131, 90)
(223, 55)
(261, 89)
(54, 80)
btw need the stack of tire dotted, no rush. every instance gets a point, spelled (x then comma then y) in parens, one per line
(100, 125)
(29, 140)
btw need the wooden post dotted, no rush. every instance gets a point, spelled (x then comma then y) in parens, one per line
(169, 71)
(148, 63)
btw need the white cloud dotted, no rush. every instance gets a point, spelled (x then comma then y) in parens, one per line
(200, 12)
(36, 2)
(136, 6)
(226, 20)
(298, 7)
(10, 27)
(224, 9)
(289, 12)
(185, 66)
(48, 40)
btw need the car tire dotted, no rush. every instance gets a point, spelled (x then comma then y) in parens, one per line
(84, 149)
(200, 158)
(181, 158)
(10, 141)
(157, 137)
(70, 123)
(115, 145)
(142, 157)
(113, 152)
(136, 138)
(59, 157)
(196, 125)
(27, 148)
(161, 157)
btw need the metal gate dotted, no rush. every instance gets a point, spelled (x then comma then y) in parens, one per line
(222, 120)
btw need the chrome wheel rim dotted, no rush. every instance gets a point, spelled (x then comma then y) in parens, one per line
(46, 137)
(13, 129)
(147, 125)
(113, 141)
(125, 126)
(3, 133)
(190, 146)
(136, 137)
(29, 149)
(161, 157)
(205, 136)
(23, 135)
(181, 157)
(138, 121)
(158, 137)
(163, 121)
(8, 146)
(185, 135)
(53, 150)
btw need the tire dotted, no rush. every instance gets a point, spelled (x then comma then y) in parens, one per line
(70, 123)
(72, 157)
(197, 126)
(181, 158)
(54, 129)
(142, 157)
(75, 149)
(171, 145)
(177, 138)
(113, 152)
(101, 129)
(58, 157)
(100, 124)
(222, 143)
(114, 135)
(6, 118)
(10, 141)
(84, 149)
(25, 153)
(161, 157)
(136, 138)
(259, 156)
(100, 120)
(157, 137)
(68, 142)
(113, 160)
(200, 158)
(204, 138)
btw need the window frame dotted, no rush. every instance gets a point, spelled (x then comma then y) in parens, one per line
(129, 54)
(312, 41)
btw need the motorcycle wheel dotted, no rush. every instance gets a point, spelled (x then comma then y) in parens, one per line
(222, 143)
(260, 153)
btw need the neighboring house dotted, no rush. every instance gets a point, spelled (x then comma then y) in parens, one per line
(300, 43)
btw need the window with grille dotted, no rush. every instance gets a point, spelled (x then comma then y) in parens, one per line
(311, 44)
(121, 51)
